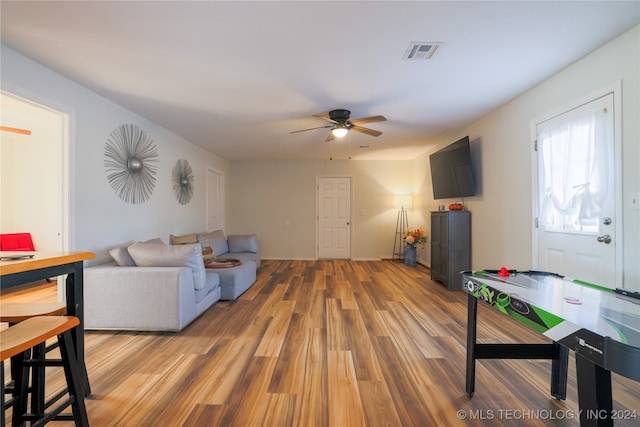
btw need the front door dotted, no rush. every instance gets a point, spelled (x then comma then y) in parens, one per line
(334, 217)
(576, 213)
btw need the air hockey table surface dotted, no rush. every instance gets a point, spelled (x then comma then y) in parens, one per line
(594, 321)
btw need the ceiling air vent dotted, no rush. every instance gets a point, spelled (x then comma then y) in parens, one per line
(421, 50)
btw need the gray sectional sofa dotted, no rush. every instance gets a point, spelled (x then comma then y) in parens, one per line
(151, 286)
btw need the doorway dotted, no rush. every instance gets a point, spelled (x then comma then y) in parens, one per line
(577, 216)
(334, 217)
(215, 200)
(35, 178)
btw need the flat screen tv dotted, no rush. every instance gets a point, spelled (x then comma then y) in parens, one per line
(451, 173)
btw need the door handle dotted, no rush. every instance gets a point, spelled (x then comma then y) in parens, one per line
(348, 223)
(604, 239)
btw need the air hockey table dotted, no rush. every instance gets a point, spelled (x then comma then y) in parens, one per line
(600, 325)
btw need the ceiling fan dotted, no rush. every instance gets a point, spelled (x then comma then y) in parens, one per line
(341, 125)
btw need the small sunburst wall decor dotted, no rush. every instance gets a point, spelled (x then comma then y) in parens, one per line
(182, 178)
(130, 162)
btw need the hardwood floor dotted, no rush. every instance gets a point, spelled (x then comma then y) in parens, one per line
(326, 343)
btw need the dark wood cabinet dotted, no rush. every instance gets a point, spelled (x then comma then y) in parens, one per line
(450, 247)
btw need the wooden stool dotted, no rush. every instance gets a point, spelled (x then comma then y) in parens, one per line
(17, 341)
(14, 313)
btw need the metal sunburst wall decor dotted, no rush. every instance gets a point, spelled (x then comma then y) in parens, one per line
(130, 162)
(182, 178)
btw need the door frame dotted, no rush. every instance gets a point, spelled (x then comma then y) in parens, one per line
(317, 211)
(614, 88)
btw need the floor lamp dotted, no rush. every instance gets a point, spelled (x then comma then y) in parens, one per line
(402, 201)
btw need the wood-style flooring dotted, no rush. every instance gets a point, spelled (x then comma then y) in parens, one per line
(326, 343)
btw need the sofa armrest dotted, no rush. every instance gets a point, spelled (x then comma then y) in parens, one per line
(245, 244)
(138, 298)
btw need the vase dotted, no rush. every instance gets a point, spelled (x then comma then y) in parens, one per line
(410, 256)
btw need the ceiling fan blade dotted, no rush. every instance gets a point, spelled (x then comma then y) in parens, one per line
(330, 137)
(369, 120)
(366, 130)
(325, 118)
(304, 130)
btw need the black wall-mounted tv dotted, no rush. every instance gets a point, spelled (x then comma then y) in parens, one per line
(451, 173)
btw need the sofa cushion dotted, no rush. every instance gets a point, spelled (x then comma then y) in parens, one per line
(154, 255)
(235, 281)
(122, 257)
(183, 240)
(156, 240)
(217, 240)
(243, 243)
(212, 282)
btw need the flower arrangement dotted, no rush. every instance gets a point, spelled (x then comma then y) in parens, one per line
(415, 237)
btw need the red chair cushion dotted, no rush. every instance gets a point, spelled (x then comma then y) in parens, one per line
(16, 242)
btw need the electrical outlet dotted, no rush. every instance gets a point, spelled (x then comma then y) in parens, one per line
(633, 201)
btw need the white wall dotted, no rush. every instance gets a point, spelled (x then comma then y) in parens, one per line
(502, 152)
(99, 219)
(277, 200)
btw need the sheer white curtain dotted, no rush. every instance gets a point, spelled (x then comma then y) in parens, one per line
(574, 176)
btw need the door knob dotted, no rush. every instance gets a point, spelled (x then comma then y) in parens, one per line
(604, 239)
(606, 220)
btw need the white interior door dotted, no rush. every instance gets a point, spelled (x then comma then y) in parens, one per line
(576, 209)
(215, 200)
(334, 217)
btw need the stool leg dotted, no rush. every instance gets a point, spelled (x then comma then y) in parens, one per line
(37, 380)
(75, 381)
(21, 384)
(2, 404)
(83, 367)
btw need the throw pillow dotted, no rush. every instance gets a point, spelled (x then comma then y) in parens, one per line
(218, 241)
(121, 256)
(207, 250)
(189, 255)
(243, 243)
(183, 240)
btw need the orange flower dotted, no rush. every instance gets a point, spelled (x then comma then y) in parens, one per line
(415, 237)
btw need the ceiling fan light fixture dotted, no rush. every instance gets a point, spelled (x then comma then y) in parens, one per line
(339, 130)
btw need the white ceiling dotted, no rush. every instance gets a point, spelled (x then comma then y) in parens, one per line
(237, 77)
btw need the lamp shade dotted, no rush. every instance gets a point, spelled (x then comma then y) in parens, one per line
(403, 201)
(339, 130)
